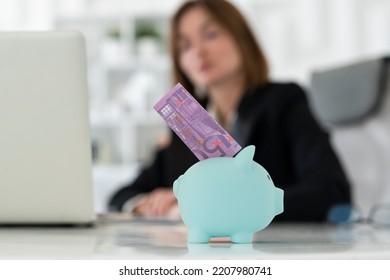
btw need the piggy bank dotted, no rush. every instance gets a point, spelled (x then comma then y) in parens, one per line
(227, 197)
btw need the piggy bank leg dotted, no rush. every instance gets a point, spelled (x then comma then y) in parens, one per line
(197, 236)
(242, 237)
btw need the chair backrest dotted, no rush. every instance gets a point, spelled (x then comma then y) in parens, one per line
(353, 103)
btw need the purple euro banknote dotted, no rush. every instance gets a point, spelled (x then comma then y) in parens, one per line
(195, 127)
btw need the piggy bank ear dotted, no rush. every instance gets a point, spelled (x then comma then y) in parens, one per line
(244, 159)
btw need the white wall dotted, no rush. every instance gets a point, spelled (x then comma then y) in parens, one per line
(297, 35)
(302, 35)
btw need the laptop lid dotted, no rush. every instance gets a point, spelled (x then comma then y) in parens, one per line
(45, 148)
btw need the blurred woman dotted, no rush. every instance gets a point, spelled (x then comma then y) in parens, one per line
(215, 53)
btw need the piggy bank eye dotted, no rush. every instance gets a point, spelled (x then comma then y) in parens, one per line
(269, 178)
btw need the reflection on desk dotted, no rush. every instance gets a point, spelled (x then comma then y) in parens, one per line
(137, 238)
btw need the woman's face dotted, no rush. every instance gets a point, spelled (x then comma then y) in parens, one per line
(208, 54)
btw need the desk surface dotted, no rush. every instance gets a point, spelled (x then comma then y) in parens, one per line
(146, 239)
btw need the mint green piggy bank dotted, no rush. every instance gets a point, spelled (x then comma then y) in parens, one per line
(227, 197)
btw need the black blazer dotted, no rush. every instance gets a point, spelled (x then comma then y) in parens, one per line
(290, 145)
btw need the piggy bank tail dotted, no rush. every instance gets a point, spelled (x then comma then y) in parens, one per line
(279, 197)
(176, 186)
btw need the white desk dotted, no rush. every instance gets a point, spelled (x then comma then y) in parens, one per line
(135, 239)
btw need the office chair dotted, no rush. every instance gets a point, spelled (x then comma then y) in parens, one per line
(353, 104)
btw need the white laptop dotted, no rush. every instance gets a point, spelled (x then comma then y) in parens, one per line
(45, 148)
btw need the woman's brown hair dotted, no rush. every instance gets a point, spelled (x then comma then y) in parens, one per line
(255, 66)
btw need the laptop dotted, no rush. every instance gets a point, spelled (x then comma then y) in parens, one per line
(45, 145)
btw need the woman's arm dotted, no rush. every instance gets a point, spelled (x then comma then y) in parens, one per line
(148, 179)
(320, 180)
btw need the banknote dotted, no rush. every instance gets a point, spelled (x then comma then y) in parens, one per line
(194, 125)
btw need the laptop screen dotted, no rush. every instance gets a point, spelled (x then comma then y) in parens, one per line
(45, 162)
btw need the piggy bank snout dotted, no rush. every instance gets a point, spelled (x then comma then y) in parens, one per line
(279, 196)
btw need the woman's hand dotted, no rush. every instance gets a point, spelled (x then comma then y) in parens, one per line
(160, 202)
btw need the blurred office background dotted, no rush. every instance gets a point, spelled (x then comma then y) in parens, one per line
(129, 68)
